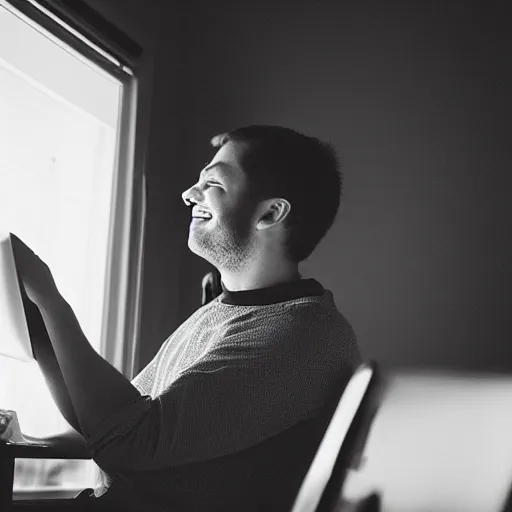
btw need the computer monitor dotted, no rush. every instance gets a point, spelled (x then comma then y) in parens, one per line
(441, 441)
(14, 331)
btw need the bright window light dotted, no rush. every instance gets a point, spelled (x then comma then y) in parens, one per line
(58, 137)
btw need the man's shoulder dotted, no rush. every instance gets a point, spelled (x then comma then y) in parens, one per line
(308, 317)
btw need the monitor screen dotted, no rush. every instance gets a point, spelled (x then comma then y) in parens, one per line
(14, 333)
(441, 441)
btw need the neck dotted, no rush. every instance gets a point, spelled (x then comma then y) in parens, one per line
(264, 277)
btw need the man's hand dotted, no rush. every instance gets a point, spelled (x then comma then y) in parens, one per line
(33, 272)
(10, 427)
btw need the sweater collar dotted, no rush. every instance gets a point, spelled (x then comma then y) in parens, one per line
(273, 294)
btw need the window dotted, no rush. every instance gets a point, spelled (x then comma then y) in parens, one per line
(69, 190)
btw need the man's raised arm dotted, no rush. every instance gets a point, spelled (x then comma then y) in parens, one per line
(96, 388)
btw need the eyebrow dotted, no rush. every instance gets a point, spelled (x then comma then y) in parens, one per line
(212, 167)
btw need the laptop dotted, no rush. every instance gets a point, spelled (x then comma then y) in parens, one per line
(14, 332)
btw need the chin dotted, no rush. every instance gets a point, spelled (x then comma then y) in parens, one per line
(193, 248)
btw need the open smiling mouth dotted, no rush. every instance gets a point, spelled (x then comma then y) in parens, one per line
(200, 216)
(196, 220)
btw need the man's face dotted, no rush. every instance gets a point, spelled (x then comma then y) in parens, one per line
(227, 239)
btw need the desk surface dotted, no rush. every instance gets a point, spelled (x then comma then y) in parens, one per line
(38, 451)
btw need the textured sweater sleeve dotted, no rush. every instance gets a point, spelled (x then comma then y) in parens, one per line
(255, 384)
(144, 380)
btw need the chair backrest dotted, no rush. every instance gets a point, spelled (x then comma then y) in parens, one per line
(343, 441)
(211, 285)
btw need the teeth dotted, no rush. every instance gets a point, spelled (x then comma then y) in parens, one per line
(202, 214)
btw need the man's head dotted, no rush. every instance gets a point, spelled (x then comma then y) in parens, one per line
(270, 190)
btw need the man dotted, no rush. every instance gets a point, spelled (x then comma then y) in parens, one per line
(223, 417)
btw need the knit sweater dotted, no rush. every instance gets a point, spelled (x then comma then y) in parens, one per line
(239, 372)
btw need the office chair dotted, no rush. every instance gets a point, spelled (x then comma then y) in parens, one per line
(343, 444)
(211, 287)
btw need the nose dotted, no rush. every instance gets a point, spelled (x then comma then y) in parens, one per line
(191, 196)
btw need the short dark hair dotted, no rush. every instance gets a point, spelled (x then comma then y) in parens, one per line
(281, 162)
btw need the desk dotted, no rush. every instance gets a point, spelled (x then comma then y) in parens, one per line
(9, 452)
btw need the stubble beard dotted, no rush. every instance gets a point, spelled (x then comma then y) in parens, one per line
(227, 247)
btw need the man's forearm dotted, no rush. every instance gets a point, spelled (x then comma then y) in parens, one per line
(48, 364)
(96, 388)
(70, 442)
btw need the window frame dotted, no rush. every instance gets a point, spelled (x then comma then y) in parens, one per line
(96, 39)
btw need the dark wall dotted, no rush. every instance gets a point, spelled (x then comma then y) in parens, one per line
(158, 130)
(416, 98)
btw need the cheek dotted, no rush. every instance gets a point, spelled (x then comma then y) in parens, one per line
(241, 225)
(236, 216)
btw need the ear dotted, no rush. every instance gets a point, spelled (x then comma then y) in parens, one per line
(277, 210)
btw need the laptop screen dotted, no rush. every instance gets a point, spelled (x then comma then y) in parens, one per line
(14, 334)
